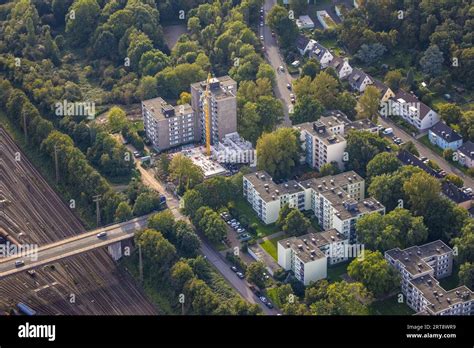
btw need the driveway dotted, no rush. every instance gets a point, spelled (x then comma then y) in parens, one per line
(426, 151)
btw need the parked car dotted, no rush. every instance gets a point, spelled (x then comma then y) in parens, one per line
(263, 299)
(241, 230)
(269, 304)
(261, 37)
(281, 68)
(101, 234)
(273, 33)
(234, 269)
(423, 158)
(288, 85)
(244, 237)
(292, 98)
(19, 263)
(240, 275)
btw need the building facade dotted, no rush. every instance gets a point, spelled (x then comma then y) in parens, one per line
(444, 136)
(223, 107)
(420, 268)
(308, 256)
(168, 126)
(466, 154)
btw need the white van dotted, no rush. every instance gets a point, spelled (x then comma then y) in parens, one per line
(387, 131)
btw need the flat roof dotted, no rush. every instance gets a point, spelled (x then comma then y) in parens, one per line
(307, 247)
(327, 182)
(208, 166)
(324, 135)
(225, 87)
(158, 106)
(268, 189)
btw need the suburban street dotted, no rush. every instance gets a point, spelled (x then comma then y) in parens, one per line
(427, 152)
(274, 58)
(212, 255)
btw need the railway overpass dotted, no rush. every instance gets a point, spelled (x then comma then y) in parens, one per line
(72, 246)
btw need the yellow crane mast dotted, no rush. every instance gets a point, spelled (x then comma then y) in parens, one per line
(207, 107)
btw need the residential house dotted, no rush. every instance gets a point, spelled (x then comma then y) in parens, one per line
(466, 154)
(444, 136)
(359, 80)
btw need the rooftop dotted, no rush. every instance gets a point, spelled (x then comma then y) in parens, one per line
(307, 247)
(326, 183)
(357, 77)
(467, 149)
(208, 166)
(320, 129)
(405, 97)
(442, 130)
(439, 299)
(162, 110)
(268, 189)
(221, 87)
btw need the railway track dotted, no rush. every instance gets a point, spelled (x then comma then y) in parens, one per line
(32, 212)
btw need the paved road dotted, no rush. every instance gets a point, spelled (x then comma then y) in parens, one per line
(274, 58)
(36, 257)
(212, 255)
(426, 151)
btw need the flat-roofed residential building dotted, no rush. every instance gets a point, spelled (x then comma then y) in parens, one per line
(223, 107)
(267, 198)
(168, 126)
(337, 201)
(304, 22)
(234, 149)
(420, 267)
(308, 255)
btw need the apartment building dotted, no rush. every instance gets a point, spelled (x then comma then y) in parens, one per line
(234, 149)
(337, 201)
(324, 141)
(267, 198)
(466, 154)
(223, 107)
(444, 136)
(412, 110)
(168, 126)
(420, 268)
(308, 255)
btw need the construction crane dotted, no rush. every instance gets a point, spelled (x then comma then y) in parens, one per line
(207, 106)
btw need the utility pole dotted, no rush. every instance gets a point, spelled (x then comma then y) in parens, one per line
(56, 164)
(97, 199)
(140, 262)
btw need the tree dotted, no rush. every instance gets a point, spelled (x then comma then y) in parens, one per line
(393, 79)
(185, 173)
(211, 224)
(465, 243)
(370, 54)
(369, 103)
(249, 125)
(282, 215)
(192, 200)
(325, 89)
(329, 169)
(187, 241)
(255, 274)
(270, 111)
(181, 273)
(347, 103)
(450, 113)
(299, 6)
(383, 163)
(395, 229)
(266, 71)
(456, 180)
(146, 203)
(311, 68)
(184, 98)
(307, 109)
(152, 62)
(466, 274)
(411, 148)
(432, 61)
(117, 119)
(139, 44)
(342, 298)
(279, 20)
(278, 152)
(164, 223)
(123, 212)
(373, 270)
(158, 254)
(82, 21)
(421, 189)
(296, 224)
(147, 88)
(361, 147)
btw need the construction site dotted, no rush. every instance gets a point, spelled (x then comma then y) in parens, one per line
(31, 212)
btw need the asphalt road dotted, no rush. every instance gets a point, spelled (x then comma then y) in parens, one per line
(219, 262)
(426, 151)
(71, 246)
(274, 58)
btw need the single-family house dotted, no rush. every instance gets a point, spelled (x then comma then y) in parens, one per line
(444, 136)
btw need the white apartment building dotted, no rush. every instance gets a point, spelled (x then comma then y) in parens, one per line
(308, 255)
(412, 110)
(420, 267)
(234, 149)
(324, 141)
(267, 198)
(337, 201)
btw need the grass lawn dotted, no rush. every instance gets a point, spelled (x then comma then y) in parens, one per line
(390, 306)
(245, 209)
(335, 272)
(271, 247)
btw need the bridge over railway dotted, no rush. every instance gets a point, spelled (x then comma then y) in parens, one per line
(72, 246)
